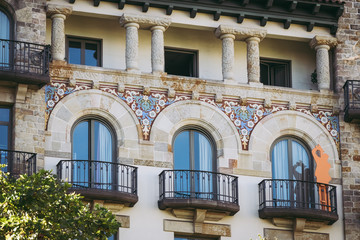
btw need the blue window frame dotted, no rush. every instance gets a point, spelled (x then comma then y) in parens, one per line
(5, 134)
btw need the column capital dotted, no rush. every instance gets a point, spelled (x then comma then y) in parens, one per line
(53, 9)
(240, 33)
(323, 40)
(145, 21)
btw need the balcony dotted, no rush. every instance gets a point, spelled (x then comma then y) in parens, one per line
(292, 199)
(24, 62)
(98, 180)
(18, 163)
(352, 100)
(189, 189)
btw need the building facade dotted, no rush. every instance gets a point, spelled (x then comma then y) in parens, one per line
(190, 119)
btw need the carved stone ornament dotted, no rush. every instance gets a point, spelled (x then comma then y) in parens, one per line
(52, 9)
(145, 21)
(240, 33)
(323, 40)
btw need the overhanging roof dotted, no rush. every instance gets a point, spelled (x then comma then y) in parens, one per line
(322, 13)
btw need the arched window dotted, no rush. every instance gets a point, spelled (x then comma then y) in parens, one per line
(93, 151)
(194, 162)
(194, 150)
(5, 35)
(4, 26)
(291, 159)
(292, 173)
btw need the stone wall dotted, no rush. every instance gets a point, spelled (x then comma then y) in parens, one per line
(348, 68)
(29, 18)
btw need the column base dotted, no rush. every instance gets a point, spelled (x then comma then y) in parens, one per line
(256, 84)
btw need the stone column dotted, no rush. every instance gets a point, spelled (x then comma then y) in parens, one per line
(253, 59)
(322, 45)
(228, 56)
(252, 37)
(157, 25)
(157, 49)
(58, 15)
(132, 46)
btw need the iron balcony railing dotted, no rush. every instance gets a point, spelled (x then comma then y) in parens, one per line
(24, 57)
(98, 175)
(294, 194)
(191, 184)
(352, 99)
(17, 162)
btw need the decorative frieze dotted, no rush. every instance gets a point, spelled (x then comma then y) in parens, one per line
(245, 115)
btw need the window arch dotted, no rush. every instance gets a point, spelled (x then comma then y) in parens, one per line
(291, 159)
(93, 152)
(194, 149)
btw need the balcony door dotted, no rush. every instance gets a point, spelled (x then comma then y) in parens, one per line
(93, 147)
(194, 151)
(292, 170)
(4, 37)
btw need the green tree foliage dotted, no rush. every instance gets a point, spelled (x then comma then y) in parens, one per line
(38, 207)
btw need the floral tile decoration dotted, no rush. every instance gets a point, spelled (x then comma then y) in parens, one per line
(148, 106)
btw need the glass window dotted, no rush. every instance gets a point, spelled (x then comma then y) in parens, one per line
(5, 135)
(4, 128)
(4, 43)
(293, 168)
(275, 72)
(193, 150)
(93, 148)
(181, 62)
(84, 51)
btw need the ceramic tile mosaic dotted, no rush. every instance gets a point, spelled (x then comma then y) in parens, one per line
(148, 106)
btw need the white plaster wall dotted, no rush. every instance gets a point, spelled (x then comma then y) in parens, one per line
(146, 219)
(303, 59)
(209, 48)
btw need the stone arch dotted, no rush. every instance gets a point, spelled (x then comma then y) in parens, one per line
(201, 114)
(92, 103)
(296, 124)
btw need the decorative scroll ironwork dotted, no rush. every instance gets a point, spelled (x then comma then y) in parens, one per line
(17, 162)
(148, 106)
(191, 184)
(110, 176)
(24, 57)
(295, 194)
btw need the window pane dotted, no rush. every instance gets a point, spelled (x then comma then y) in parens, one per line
(202, 153)
(4, 115)
(4, 137)
(91, 54)
(280, 160)
(74, 52)
(4, 26)
(182, 151)
(301, 165)
(81, 141)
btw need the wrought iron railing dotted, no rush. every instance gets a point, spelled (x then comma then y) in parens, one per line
(24, 57)
(17, 162)
(187, 184)
(280, 193)
(352, 98)
(100, 175)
